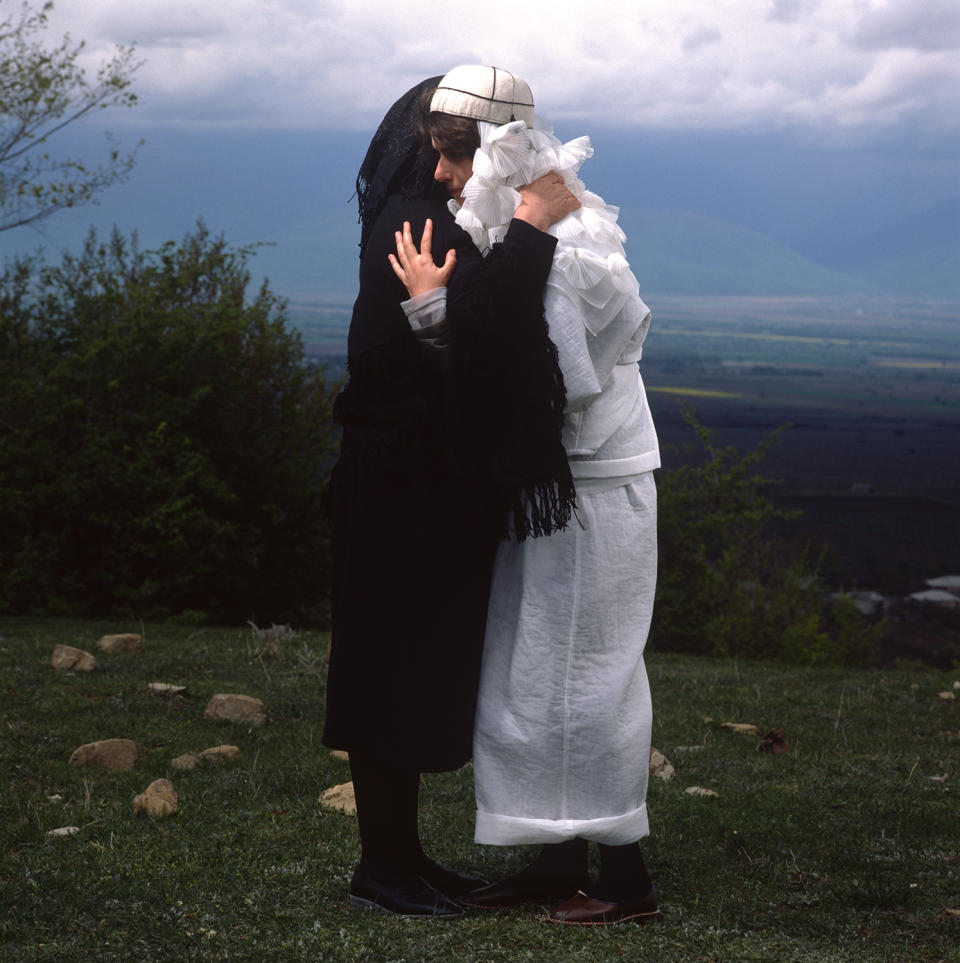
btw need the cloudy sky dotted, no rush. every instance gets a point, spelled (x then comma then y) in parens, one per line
(847, 69)
(827, 126)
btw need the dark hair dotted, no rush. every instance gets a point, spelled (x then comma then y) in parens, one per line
(452, 134)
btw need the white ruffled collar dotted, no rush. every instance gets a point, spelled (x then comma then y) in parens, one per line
(589, 265)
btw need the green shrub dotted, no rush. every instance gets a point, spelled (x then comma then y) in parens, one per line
(163, 444)
(722, 587)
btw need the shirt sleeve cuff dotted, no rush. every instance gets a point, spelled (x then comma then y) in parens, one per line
(424, 310)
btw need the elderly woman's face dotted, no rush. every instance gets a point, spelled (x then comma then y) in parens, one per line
(453, 171)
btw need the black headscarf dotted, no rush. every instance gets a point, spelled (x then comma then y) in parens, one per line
(397, 162)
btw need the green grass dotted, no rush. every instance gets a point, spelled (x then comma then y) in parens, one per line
(843, 849)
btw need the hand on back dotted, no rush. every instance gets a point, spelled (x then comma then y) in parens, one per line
(545, 201)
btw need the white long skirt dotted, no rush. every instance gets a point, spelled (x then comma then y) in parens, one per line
(562, 736)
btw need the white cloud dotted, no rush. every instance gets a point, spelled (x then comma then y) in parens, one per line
(929, 25)
(865, 64)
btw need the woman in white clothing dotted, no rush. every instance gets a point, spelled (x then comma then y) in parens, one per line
(562, 733)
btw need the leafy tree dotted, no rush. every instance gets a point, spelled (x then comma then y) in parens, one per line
(723, 588)
(163, 444)
(42, 91)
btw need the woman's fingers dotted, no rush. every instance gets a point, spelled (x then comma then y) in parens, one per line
(449, 263)
(427, 240)
(397, 268)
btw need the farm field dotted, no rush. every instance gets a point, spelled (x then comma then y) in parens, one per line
(870, 388)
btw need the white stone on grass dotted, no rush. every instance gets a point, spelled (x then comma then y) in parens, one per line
(217, 754)
(113, 754)
(125, 642)
(660, 766)
(67, 657)
(166, 688)
(236, 708)
(158, 799)
(63, 831)
(339, 797)
(700, 791)
(744, 728)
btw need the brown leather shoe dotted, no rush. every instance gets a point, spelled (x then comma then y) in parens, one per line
(586, 911)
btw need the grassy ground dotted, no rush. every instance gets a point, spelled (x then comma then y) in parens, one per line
(846, 848)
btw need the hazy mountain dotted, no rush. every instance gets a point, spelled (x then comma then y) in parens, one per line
(915, 255)
(705, 212)
(684, 253)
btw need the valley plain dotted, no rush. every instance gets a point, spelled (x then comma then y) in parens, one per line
(870, 390)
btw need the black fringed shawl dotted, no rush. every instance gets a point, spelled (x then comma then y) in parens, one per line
(508, 382)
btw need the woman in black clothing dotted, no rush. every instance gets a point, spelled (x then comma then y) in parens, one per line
(420, 497)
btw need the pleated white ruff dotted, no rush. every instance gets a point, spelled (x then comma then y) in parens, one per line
(562, 736)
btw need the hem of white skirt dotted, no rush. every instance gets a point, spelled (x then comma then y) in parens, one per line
(494, 829)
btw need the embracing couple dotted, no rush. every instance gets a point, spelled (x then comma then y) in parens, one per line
(494, 511)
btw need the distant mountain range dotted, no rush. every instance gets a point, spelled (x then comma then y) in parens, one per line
(678, 252)
(705, 213)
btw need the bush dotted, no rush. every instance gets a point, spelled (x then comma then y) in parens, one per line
(722, 587)
(163, 444)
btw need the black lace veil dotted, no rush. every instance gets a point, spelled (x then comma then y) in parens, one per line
(396, 162)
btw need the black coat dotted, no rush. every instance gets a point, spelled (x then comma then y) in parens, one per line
(415, 524)
(413, 547)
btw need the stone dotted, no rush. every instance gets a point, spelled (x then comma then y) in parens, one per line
(948, 694)
(217, 754)
(113, 754)
(67, 657)
(166, 688)
(158, 799)
(700, 791)
(187, 761)
(63, 831)
(744, 728)
(126, 642)
(236, 708)
(340, 754)
(339, 797)
(660, 766)
(774, 741)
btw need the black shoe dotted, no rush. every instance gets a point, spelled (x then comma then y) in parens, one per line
(449, 881)
(409, 896)
(523, 887)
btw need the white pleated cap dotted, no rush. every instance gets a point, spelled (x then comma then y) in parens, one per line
(491, 94)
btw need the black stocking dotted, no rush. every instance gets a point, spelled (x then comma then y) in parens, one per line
(387, 797)
(623, 874)
(558, 862)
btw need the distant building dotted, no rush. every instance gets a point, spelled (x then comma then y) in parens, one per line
(862, 488)
(867, 603)
(937, 596)
(949, 583)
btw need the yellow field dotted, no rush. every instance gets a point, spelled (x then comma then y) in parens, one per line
(765, 336)
(919, 364)
(693, 392)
